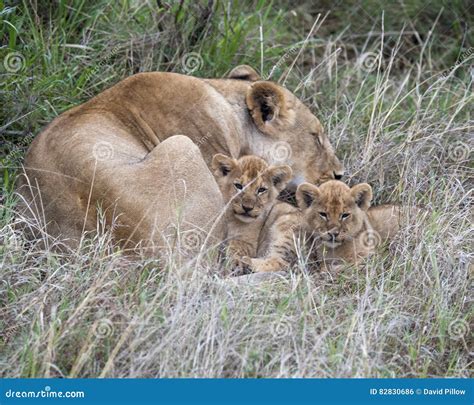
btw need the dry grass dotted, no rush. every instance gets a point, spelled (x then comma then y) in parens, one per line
(406, 313)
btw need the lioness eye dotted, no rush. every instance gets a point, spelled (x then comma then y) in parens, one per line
(261, 190)
(323, 215)
(238, 186)
(317, 138)
(345, 215)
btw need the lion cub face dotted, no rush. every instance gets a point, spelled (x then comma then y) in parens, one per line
(249, 184)
(333, 210)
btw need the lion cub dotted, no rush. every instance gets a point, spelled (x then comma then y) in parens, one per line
(346, 228)
(250, 188)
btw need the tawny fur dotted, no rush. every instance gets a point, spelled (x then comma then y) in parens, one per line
(346, 228)
(107, 152)
(335, 222)
(250, 188)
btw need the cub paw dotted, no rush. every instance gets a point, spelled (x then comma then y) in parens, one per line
(264, 265)
(240, 266)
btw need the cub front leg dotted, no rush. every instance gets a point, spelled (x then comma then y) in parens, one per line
(281, 250)
(237, 250)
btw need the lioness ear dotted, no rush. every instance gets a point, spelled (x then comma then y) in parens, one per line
(222, 165)
(306, 193)
(244, 72)
(267, 105)
(280, 176)
(362, 194)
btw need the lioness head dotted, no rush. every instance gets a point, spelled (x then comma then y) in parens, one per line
(294, 135)
(249, 184)
(333, 210)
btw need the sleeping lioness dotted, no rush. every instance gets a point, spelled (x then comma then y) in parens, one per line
(110, 153)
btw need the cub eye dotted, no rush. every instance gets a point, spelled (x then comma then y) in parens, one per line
(261, 190)
(323, 215)
(238, 186)
(345, 215)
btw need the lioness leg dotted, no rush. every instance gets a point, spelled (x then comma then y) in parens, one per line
(169, 191)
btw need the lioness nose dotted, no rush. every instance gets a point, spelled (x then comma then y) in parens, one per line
(247, 208)
(338, 176)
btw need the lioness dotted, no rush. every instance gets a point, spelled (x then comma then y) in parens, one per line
(250, 188)
(106, 152)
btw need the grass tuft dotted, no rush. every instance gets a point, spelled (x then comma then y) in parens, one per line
(392, 85)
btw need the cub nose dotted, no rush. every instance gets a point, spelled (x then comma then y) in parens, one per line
(333, 234)
(247, 209)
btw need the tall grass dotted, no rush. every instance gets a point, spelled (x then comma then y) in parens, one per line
(398, 123)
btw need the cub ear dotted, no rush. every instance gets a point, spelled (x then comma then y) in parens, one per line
(280, 176)
(362, 194)
(244, 72)
(306, 194)
(222, 165)
(267, 105)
